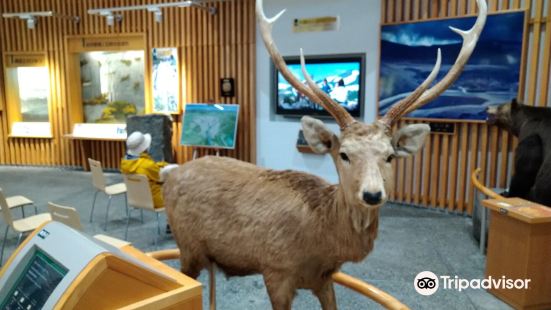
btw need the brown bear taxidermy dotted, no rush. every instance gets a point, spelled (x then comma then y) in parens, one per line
(532, 127)
(292, 227)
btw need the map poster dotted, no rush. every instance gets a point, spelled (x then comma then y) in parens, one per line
(210, 125)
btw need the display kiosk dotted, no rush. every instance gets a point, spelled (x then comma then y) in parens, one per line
(59, 268)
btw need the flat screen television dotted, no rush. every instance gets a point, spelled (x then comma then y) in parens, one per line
(341, 76)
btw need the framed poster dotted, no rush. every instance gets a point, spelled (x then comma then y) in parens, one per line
(165, 80)
(408, 54)
(27, 85)
(210, 125)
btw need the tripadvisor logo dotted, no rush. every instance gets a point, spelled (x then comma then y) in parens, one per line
(427, 283)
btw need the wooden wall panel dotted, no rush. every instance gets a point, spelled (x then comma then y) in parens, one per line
(211, 47)
(440, 174)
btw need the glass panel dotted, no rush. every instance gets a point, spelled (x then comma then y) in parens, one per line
(33, 88)
(112, 85)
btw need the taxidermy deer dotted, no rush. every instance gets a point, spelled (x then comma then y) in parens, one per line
(292, 227)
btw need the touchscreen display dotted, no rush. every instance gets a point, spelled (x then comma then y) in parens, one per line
(35, 284)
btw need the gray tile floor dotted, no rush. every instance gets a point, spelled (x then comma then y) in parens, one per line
(410, 240)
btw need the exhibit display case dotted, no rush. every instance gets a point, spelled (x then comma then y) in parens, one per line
(112, 85)
(107, 78)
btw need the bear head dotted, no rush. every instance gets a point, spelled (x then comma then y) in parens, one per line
(502, 115)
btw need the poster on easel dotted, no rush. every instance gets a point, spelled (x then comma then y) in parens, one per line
(210, 125)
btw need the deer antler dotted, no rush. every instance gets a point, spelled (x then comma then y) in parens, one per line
(401, 106)
(343, 118)
(470, 38)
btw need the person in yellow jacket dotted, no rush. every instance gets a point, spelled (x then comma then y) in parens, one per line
(138, 161)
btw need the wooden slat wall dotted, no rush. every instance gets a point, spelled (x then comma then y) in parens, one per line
(211, 47)
(439, 176)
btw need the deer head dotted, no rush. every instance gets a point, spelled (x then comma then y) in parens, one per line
(362, 153)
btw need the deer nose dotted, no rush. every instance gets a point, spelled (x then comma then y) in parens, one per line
(372, 198)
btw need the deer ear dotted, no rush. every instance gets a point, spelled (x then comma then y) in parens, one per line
(409, 139)
(318, 136)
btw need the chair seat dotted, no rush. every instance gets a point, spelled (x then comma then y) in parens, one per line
(18, 201)
(115, 189)
(31, 223)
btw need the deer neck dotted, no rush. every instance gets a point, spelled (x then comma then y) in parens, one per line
(353, 226)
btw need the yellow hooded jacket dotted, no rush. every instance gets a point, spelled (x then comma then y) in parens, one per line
(147, 166)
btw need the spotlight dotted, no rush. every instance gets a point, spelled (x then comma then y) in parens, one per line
(31, 22)
(157, 13)
(158, 16)
(110, 20)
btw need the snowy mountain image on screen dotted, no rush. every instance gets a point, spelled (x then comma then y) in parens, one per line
(341, 80)
(491, 76)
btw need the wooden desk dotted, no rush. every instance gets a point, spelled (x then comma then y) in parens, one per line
(519, 247)
(85, 147)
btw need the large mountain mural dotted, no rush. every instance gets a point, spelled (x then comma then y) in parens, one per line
(408, 53)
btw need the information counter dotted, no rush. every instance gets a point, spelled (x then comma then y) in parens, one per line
(59, 268)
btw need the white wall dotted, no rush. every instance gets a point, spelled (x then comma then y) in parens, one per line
(358, 33)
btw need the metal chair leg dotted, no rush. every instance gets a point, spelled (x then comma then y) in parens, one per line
(158, 223)
(127, 224)
(3, 245)
(35, 209)
(107, 212)
(93, 205)
(158, 228)
(23, 211)
(19, 239)
(126, 203)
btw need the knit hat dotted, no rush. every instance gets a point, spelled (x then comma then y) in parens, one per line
(137, 143)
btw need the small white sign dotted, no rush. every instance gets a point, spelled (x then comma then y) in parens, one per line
(100, 131)
(31, 130)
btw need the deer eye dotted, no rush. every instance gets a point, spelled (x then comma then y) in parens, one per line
(344, 157)
(389, 158)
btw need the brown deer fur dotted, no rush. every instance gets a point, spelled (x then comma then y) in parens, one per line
(293, 228)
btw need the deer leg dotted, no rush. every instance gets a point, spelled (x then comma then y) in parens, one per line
(281, 289)
(189, 265)
(326, 295)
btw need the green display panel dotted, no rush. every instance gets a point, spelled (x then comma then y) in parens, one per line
(35, 284)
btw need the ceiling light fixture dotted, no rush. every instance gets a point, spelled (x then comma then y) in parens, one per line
(154, 8)
(31, 22)
(110, 18)
(31, 17)
(157, 13)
